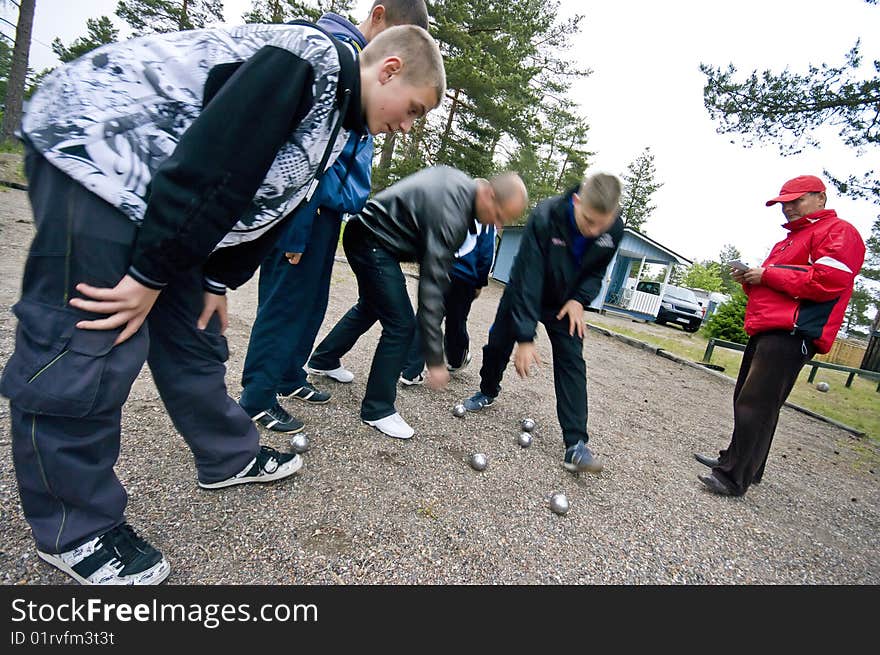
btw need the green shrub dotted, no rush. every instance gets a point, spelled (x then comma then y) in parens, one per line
(727, 322)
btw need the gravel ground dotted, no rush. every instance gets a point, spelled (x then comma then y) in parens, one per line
(369, 509)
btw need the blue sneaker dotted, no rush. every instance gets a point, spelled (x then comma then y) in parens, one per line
(579, 458)
(478, 401)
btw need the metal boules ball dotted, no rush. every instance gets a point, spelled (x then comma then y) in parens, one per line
(458, 410)
(524, 439)
(479, 462)
(299, 443)
(559, 503)
(823, 387)
(527, 424)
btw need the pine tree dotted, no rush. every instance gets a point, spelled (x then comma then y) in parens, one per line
(504, 73)
(100, 31)
(146, 16)
(639, 184)
(786, 108)
(282, 11)
(727, 322)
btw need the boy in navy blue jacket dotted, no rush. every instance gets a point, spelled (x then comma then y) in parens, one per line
(565, 249)
(295, 277)
(468, 276)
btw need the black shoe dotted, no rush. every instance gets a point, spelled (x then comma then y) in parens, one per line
(278, 420)
(711, 462)
(307, 393)
(716, 486)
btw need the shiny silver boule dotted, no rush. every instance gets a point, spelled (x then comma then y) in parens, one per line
(458, 410)
(527, 424)
(524, 439)
(299, 443)
(559, 503)
(479, 462)
(823, 387)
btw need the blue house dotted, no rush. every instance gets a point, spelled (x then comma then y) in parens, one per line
(614, 296)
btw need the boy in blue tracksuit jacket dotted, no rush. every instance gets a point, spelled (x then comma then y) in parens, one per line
(468, 276)
(294, 281)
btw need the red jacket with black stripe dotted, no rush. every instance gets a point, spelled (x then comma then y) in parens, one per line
(807, 280)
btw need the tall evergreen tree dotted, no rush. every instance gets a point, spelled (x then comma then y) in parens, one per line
(639, 184)
(18, 70)
(100, 31)
(856, 321)
(145, 16)
(497, 57)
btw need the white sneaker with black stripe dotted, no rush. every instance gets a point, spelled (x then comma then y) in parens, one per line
(117, 557)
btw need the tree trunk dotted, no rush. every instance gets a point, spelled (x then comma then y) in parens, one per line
(564, 164)
(182, 23)
(18, 71)
(445, 137)
(416, 135)
(387, 152)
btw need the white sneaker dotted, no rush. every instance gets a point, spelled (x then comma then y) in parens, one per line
(340, 374)
(393, 426)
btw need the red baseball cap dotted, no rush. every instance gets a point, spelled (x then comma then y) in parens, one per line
(794, 189)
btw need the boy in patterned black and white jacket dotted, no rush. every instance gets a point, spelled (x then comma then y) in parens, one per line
(160, 171)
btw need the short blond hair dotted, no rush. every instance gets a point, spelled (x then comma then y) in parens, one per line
(419, 52)
(601, 191)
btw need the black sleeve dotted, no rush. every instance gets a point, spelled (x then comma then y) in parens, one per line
(201, 191)
(527, 280)
(235, 265)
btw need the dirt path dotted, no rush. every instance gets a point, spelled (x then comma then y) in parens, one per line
(368, 509)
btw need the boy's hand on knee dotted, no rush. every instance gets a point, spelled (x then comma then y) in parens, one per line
(575, 312)
(128, 304)
(214, 303)
(526, 355)
(438, 377)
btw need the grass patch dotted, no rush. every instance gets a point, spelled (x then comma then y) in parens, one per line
(858, 406)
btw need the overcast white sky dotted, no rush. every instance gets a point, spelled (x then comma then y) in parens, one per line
(646, 90)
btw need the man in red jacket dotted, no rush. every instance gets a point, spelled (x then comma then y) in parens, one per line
(797, 299)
